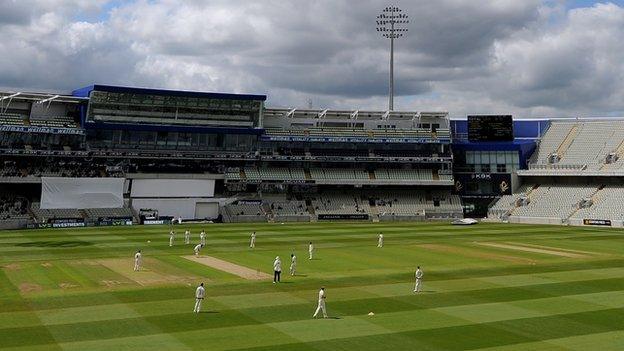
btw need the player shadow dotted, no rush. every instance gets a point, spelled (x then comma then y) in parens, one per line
(333, 317)
(209, 312)
(284, 282)
(55, 244)
(299, 275)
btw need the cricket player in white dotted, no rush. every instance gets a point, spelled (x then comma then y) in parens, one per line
(199, 297)
(252, 243)
(137, 261)
(171, 237)
(321, 304)
(311, 249)
(380, 241)
(187, 237)
(293, 264)
(202, 237)
(277, 270)
(419, 275)
(197, 248)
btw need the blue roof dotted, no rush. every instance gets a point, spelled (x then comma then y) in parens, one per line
(84, 92)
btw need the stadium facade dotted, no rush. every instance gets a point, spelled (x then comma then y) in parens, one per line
(228, 157)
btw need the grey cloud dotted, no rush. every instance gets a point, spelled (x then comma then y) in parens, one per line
(462, 56)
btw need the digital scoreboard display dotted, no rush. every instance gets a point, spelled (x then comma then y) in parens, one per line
(490, 128)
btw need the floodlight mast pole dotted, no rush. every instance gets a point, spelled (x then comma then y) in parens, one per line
(388, 24)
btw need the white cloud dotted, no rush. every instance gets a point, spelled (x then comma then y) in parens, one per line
(524, 57)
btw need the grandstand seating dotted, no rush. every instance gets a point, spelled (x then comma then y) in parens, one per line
(607, 204)
(53, 121)
(13, 119)
(507, 202)
(359, 133)
(43, 215)
(581, 146)
(550, 201)
(413, 203)
(336, 203)
(338, 174)
(12, 208)
(404, 174)
(110, 213)
(281, 207)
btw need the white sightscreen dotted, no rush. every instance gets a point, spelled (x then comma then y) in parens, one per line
(184, 208)
(59, 192)
(173, 188)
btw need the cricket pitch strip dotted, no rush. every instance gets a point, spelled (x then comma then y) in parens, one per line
(228, 267)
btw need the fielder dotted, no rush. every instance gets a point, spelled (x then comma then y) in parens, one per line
(198, 248)
(321, 304)
(171, 237)
(293, 264)
(137, 261)
(252, 243)
(202, 237)
(277, 270)
(187, 237)
(311, 250)
(380, 240)
(199, 296)
(419, 275)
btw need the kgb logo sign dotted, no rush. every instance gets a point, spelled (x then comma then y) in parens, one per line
(504, 187)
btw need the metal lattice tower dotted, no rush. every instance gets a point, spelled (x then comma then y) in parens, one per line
(390, 23)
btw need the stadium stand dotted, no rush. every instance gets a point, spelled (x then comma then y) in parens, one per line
(12, 119)
(416, 205)
(13, 208)
(580, 147)
(249, 210)
(108, 213)
(45, 215)
(53, 121)
(267, 164)
(336, 203)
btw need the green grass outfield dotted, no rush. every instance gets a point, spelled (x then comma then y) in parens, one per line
(74, 289)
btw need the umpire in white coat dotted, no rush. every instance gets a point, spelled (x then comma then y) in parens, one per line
(277, 270)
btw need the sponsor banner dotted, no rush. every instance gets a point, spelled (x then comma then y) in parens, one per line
(250, 202)
(39, 225)
(356, 139)
(43, 130)
(67, 224)
(114, 222)
(156, 221)
(329, 217)
(605, 222)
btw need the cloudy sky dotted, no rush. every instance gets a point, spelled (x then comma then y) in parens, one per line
(531, 58)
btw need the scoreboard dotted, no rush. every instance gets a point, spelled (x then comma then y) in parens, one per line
(490, 128)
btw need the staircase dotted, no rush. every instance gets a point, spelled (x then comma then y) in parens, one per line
(567, 141)
(374, 212)
(310, 208)
(619, 151)
(593, 198)
(371, 175)
(308, 176)
(435, 174)
(528, 195)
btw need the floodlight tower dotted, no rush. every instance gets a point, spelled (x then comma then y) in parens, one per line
(390, 24)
